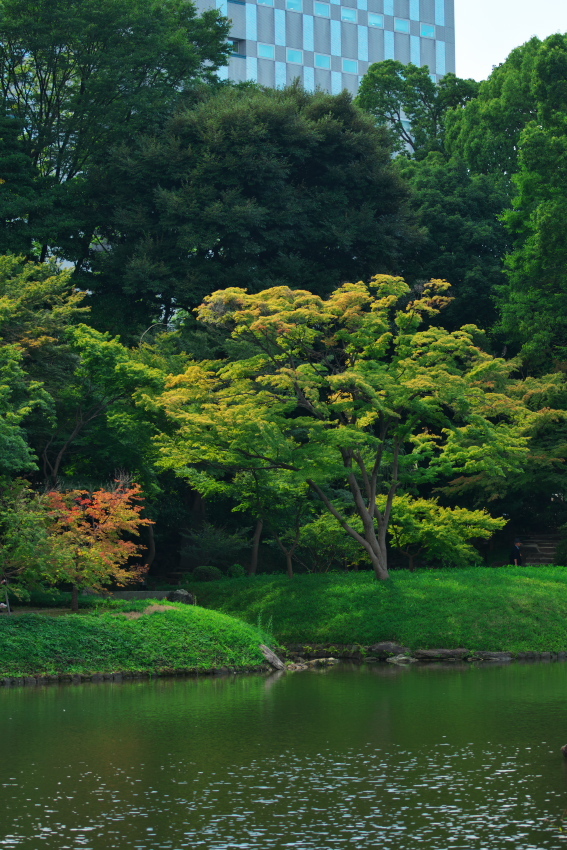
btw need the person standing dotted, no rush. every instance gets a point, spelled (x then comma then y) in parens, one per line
(516, 553)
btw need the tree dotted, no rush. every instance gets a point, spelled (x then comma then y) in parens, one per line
(464, 239)
(95, 408)
(88, 531)
(249, 188)
(349, 392)
(27, 557)
(485, 132)
(35, 305)
(19, 191)
(18, 398)
(405, 99)
(443, 534)
(533, 300)
(80, 76)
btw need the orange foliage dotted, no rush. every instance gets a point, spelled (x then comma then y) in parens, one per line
(88, 530)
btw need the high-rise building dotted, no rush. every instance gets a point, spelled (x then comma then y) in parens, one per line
(330, 44)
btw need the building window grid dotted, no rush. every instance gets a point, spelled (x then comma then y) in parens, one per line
(347, 15)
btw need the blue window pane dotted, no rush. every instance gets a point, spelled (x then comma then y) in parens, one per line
(295, 56)
(375, 20)
(348, 15)
(400, 25)
(350, 66)
(322, 61)
(294, 5)
(266, 51)
(323, 9)
(266, 2)
(428, 31)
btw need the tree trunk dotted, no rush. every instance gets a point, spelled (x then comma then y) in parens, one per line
(379, 563)
(151, 547)
(75, 598)
(255, 547)
(374, 546)
(289, 564)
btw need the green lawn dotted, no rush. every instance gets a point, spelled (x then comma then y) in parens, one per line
(103, 642)
(510, 608)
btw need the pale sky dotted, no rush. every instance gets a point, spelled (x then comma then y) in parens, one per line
(487, 30)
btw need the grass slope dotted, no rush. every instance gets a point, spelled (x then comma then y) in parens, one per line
(181, 637)
(517, 609)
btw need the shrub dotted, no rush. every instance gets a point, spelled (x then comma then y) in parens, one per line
(207, 574)
(214, 545)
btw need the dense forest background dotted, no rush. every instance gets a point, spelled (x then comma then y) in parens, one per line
(134, 184)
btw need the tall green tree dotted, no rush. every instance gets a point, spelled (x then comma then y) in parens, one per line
(37, 305)
(251, 188)
(485, 132)
(353, 394)
(464, 239)
(405, 99)
(534, 312)
(20, 197)
(79, 76)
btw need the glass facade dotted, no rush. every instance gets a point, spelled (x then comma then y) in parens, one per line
(330, 45)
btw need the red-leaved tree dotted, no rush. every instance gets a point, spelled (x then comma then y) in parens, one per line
(88, 530)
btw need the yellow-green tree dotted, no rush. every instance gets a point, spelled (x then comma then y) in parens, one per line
(423, 526)
(355, 396)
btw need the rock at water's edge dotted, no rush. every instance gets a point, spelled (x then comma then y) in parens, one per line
(386, 649)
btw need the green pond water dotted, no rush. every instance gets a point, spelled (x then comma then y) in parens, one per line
(382, 757)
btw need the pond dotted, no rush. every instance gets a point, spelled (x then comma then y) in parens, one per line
(343, 758)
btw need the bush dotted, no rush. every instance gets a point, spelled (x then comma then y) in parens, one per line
(207, 574)
(214, 545)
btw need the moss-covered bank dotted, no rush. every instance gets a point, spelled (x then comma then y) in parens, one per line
(126, 639)
(514, 609)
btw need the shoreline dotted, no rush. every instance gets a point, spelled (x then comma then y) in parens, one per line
(299, 657)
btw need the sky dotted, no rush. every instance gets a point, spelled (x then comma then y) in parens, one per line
(487, 30)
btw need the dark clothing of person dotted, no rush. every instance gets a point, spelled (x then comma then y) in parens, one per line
(515, 556)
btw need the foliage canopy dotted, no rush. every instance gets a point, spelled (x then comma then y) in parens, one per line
(353, 396)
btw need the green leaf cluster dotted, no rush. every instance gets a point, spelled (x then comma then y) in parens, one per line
(355, 392)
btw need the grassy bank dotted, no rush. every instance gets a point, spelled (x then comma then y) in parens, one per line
(511, 608)
(129, 638)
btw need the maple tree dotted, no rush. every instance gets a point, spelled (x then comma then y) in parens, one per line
(423, 526)
(354, 396)
(88, 530)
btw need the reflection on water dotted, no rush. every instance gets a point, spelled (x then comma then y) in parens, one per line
(347, 758)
